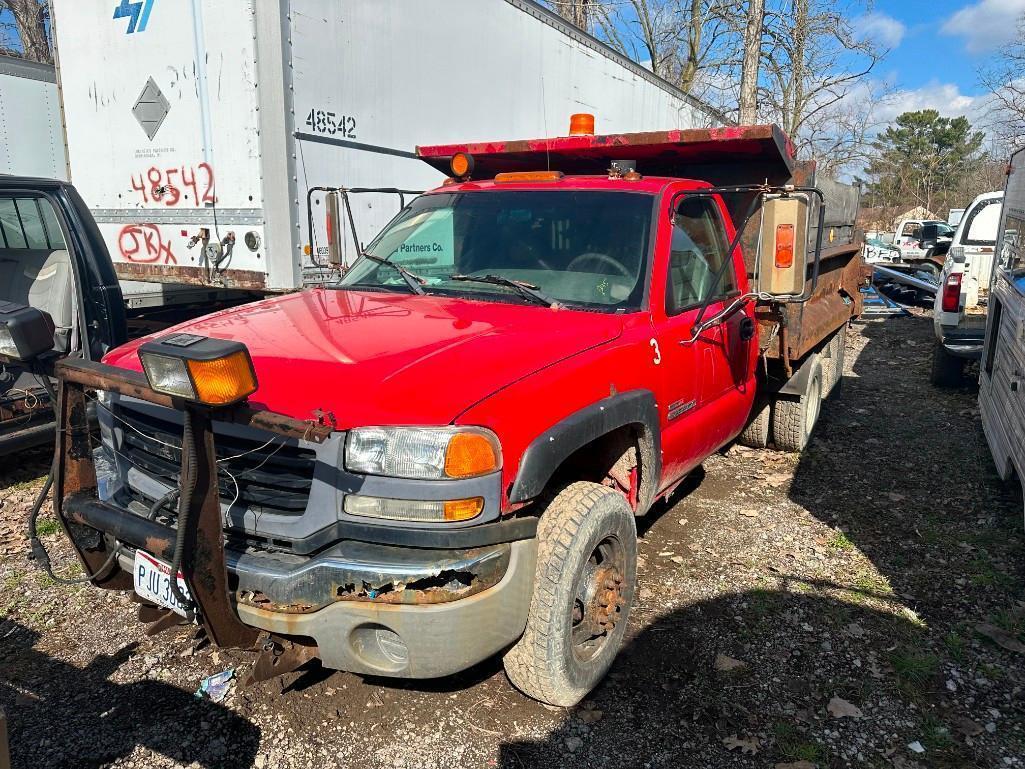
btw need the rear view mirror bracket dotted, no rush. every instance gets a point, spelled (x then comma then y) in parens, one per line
(763, 192)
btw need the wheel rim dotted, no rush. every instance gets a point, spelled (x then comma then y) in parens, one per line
(599, 599)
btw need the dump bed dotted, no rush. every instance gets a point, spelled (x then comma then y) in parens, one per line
(735, 155)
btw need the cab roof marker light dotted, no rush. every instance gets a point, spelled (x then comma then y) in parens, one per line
(461, 165)
(581, 124)
(528, 176)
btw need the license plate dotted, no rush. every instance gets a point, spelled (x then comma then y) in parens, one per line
(153, 582)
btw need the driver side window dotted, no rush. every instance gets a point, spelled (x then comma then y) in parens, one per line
(697, 252)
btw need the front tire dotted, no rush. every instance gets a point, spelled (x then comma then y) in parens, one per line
(583, 591)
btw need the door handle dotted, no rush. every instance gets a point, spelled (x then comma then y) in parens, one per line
(747, 328)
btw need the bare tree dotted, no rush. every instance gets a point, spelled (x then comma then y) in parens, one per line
(1005, 79)
(682, 41)
(815, 83)
(798, 63)
(580, 13)
(26, 36)
(750, 69)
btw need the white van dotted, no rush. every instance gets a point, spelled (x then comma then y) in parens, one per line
(1001, 384)
(959, 313)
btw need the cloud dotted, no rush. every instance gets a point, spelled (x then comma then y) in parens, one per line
(985, 25)
(883, 29)
(946, 98)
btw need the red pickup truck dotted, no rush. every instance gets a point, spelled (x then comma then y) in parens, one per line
(441, 456)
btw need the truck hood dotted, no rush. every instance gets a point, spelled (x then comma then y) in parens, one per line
(369, 358)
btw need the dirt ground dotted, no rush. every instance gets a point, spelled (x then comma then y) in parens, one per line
(860, 605)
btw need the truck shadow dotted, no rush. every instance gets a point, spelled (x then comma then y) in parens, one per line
(669, 702)
(60, 715)
(902, 468)
(902, 472)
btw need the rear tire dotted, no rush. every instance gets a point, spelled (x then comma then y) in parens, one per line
(583, 591)
(947, 369)
(794, 420)
(832, 366)
(756, 434)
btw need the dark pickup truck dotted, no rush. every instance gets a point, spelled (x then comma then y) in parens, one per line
(53, 258)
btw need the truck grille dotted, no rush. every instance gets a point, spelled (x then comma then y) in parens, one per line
(274, 479)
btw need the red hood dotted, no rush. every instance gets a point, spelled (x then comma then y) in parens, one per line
(381, 358)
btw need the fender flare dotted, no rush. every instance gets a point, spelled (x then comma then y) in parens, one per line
(545, 453)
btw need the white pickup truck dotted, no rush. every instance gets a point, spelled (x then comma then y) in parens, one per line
(959, 313)
(917, 238)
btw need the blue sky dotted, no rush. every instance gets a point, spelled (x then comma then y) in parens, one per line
(938, 46)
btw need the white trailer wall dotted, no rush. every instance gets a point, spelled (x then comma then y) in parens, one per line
(394, 75)
(164, 141)
(185, 115)
(31, 139)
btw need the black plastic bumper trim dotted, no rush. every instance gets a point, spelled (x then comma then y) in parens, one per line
(495, 533)
(158, 539)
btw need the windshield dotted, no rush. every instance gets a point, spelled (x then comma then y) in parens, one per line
(583, 248)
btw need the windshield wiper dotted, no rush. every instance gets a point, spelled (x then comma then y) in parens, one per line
(528, 290)
(414, 281)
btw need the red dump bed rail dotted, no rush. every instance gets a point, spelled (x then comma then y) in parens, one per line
(732, 155)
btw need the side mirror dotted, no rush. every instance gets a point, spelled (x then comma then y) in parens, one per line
(783, 245)
(25, 332)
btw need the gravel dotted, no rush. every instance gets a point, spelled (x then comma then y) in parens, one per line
(806, 611)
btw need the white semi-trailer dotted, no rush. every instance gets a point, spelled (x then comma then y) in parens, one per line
(206, 135)
(31, 140)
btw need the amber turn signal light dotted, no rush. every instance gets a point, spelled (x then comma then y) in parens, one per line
(784, 246)
(215, 372)
(461, 165)
(463, 509)
(470, 454)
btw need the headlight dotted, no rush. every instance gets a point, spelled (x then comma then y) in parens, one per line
(414, 509)
(424, 453)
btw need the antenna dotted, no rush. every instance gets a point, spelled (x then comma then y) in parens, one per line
(544, 122)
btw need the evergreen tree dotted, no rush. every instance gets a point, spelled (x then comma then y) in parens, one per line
(925, 159)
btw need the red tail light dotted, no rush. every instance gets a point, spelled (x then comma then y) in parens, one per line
(952, 292)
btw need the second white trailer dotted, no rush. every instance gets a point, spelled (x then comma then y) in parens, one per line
(196, 129)
(31, 139)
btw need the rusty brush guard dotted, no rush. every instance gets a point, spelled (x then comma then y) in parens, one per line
(86, 519)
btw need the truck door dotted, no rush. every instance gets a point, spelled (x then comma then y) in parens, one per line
(698, 371)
